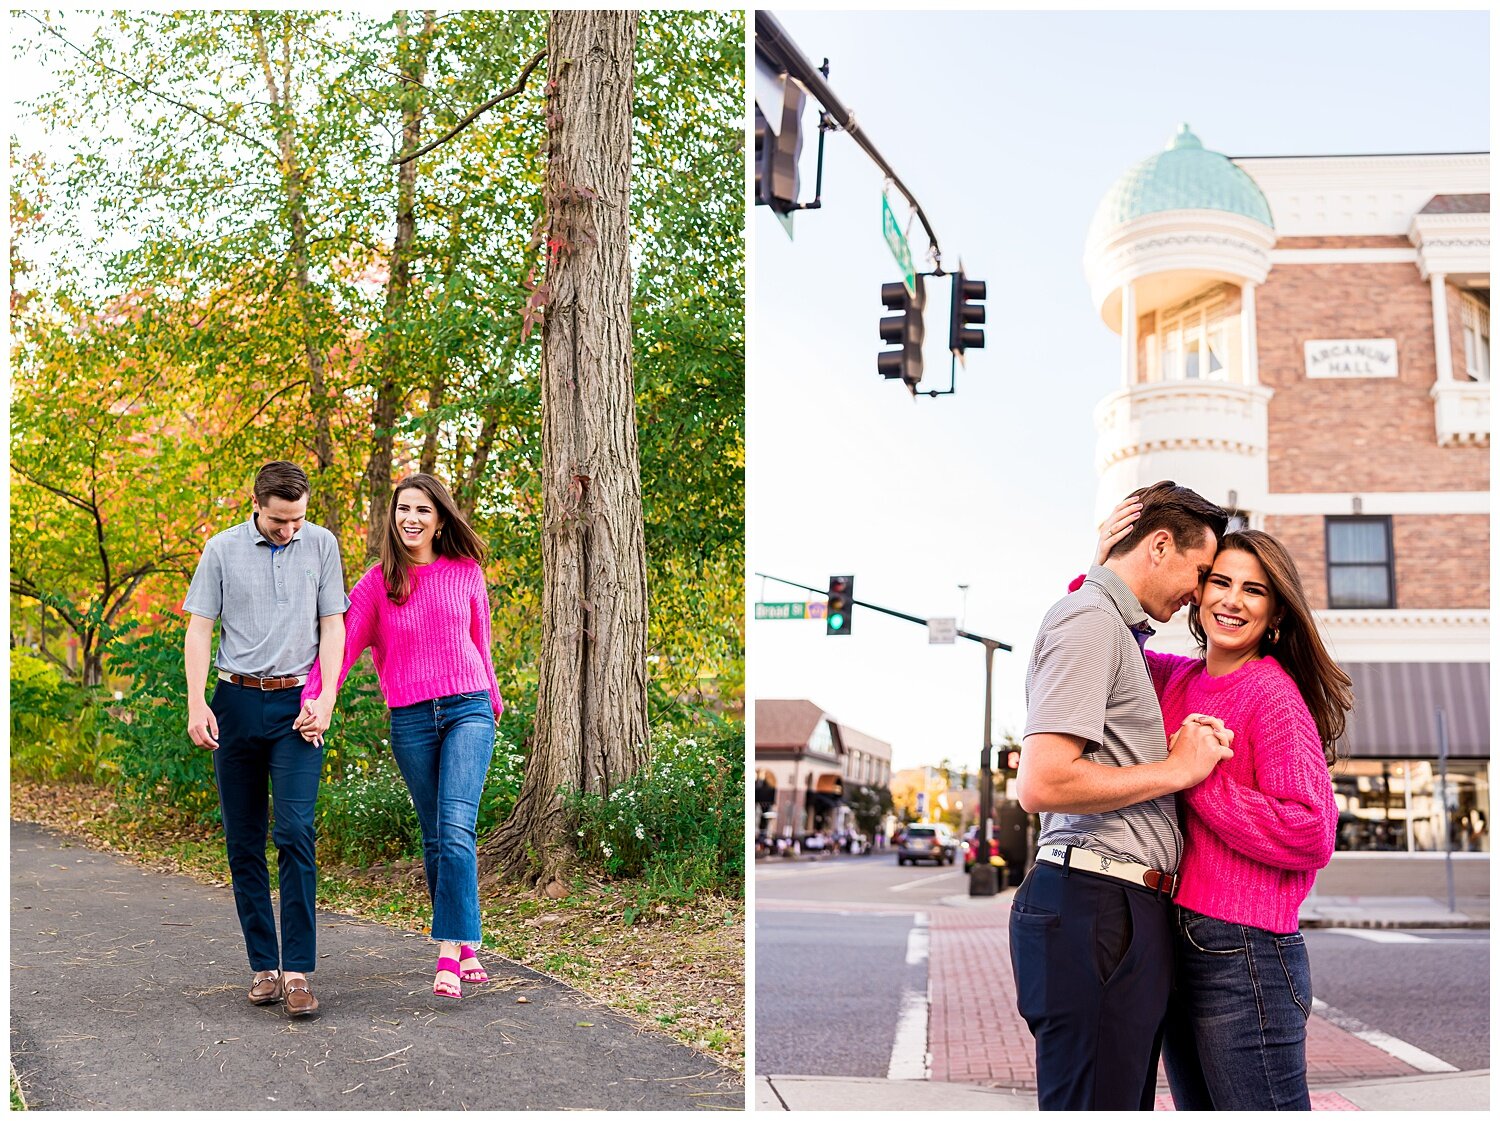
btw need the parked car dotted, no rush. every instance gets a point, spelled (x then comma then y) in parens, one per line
(971, 850)
(934, 842)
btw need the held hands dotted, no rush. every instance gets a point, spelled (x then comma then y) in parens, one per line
(314, 719)
(203, 726)
(1116, 527)
(1198, 746)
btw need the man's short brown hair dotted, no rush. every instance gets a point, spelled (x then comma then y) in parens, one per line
(1184, 512)
(280, 479)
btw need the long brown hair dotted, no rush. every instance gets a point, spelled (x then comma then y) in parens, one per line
(456, 537)
(1296, 645)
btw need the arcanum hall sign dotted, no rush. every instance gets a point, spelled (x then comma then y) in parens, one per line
(1350, 358)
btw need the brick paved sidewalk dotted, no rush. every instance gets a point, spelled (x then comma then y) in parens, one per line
(976, 1035)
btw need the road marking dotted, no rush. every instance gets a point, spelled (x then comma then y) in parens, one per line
(1397, 1048)
(1388, 936)
(778, 873)
(918, 939)
(1397, 936)
(909, 1048)
(924, 880)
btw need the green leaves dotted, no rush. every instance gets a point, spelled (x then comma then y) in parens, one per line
(172, 339)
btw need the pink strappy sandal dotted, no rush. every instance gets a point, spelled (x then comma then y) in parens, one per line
(471, 971)
(439, 986)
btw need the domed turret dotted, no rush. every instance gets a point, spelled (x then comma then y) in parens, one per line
(1174, 253)
(1183, 176)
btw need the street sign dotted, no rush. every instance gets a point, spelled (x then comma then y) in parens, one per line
(942, 632)
(781, 611)
(896, 240)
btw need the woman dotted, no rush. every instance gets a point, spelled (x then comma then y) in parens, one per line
(1256, 830)
(425, 615)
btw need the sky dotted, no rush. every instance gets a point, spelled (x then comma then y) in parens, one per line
(1009, 128)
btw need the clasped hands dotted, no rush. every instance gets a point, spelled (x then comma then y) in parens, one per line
(1199, 745)
(314, 719)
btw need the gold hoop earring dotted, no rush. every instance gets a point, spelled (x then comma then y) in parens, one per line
(1275, 635)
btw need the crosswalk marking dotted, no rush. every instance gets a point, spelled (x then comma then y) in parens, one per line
(1411, 1055)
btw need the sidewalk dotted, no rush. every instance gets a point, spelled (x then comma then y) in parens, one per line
(128, 992)
(975, 1034)
(1469, 1090)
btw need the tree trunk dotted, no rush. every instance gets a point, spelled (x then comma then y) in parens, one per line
(412, 58)
(591, 729)
(324, 499)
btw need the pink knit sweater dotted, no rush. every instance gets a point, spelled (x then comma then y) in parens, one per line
(435, 644)
(1263, 823)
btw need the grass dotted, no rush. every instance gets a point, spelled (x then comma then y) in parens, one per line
(17, 1102)
(681, 972)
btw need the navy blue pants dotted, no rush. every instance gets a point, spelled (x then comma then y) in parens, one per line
(1092, 959)
(257, 748)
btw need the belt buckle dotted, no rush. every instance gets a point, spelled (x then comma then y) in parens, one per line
(260, 683)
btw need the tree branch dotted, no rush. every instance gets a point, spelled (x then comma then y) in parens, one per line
(245, 136)
(470, 119)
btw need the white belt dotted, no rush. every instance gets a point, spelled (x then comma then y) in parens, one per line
(1086, 860)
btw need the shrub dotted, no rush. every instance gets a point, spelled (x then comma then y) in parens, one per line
(679, 822)
(158, 763)
(59, 731)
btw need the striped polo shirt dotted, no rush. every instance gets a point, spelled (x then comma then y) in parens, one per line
(1088, 678)
(268, 600)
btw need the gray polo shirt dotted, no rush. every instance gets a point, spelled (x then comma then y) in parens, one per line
(1088, 677)
(268, 600)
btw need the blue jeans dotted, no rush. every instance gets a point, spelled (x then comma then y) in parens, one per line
(1237, 1022)
(257, 747)
(443, 750)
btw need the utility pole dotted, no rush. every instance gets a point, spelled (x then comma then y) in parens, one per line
(982, 880)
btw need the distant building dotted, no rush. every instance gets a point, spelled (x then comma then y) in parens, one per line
(805, 763)
(1306, 341)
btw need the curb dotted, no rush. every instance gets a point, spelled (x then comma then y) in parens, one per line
(1461, 923)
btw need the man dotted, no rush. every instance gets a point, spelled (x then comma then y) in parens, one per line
(1090, 933)
(277, 584)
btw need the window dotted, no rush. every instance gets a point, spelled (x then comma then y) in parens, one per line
(1476, 319)
(1361, 570)
(1194, 340)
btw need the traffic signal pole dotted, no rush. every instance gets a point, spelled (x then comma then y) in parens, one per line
(772, 40)
(982, 879)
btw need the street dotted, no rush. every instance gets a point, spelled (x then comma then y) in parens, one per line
(857, 959)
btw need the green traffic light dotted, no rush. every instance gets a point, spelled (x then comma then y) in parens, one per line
(836, 622)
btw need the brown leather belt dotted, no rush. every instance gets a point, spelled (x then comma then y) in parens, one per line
(1071, 856)
(266, 684)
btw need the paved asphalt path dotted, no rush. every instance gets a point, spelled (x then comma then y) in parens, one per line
(831, 984)
(128, 992)
(1430, 988)
(829, 991)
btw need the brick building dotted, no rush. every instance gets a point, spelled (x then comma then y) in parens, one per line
(1305, 340)
(805, 764)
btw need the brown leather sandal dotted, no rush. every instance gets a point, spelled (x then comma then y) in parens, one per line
(266, 988)
(299, 998)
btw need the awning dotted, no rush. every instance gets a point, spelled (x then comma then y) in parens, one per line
(1395, 705)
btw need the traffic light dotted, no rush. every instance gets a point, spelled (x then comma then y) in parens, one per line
(777, 150)
(840, 604)
(905, 330)
(966, 309)
(1012, 761)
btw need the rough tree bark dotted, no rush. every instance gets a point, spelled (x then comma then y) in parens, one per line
(591, 726)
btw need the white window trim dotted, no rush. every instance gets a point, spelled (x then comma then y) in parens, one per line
(1476, 331)
(1194, 320)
